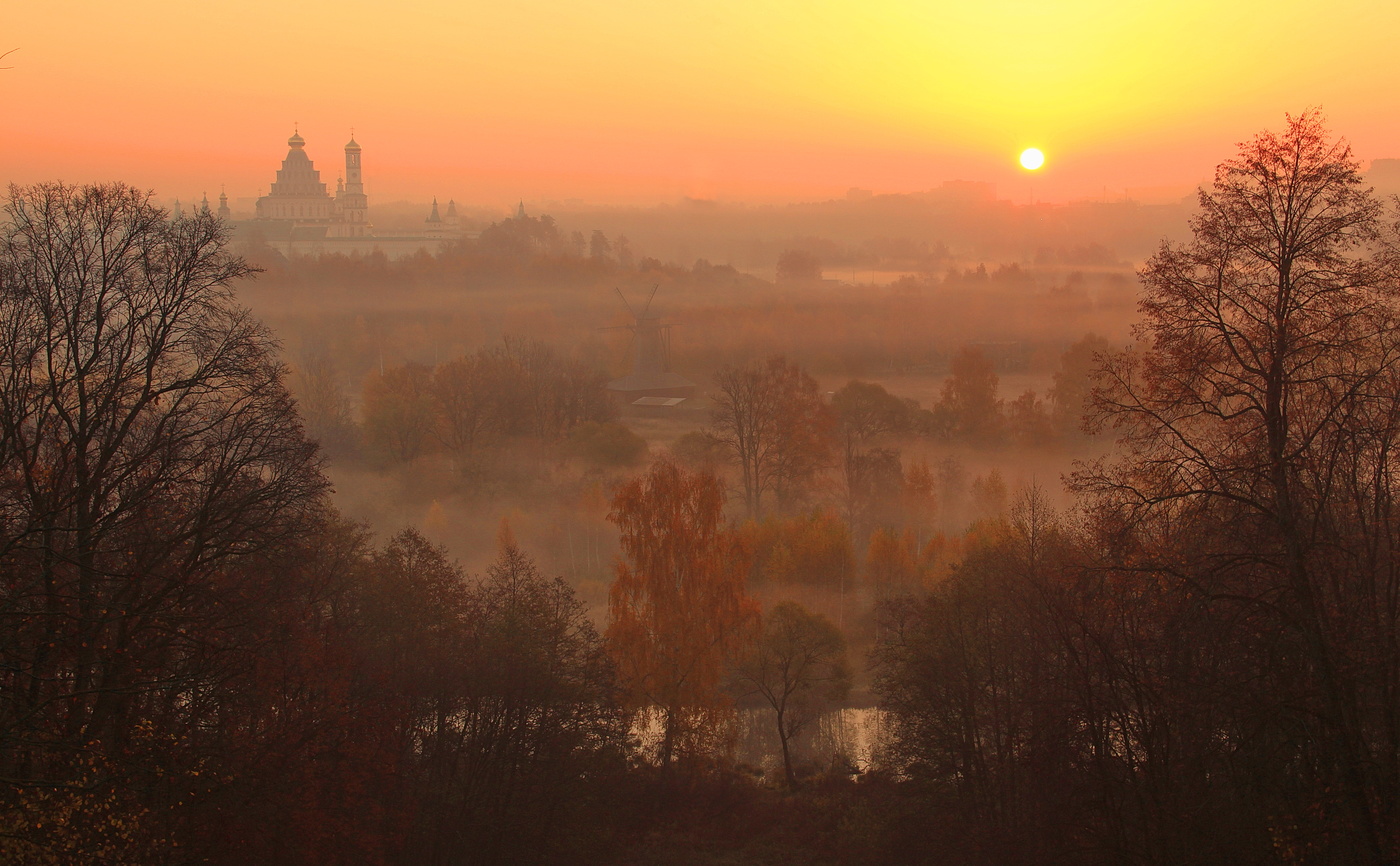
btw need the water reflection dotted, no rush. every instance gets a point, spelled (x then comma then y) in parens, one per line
(840, 741)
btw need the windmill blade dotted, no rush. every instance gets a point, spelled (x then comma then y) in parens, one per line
(624, 302)
(647, 308)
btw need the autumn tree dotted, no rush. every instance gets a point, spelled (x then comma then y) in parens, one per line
(678, 608)
(865, 410)
(520, 389)
(608, 444)
(324, 406)
(297, 753)
(398, 411)
(1264, 400)
(951, 481)
(521, 238)
(919, 500)
(874, 484)
(599, 247)
(989, 496)
(892, 563)
(533, 725)
(773, 421)
(1028, 423)
(798, 667)
(463, 394)
(548, 394)
(813, 550)
(622, 247)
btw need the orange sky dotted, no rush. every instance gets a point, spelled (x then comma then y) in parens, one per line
(625, 100)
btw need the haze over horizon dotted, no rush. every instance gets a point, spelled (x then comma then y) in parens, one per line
(626, 103)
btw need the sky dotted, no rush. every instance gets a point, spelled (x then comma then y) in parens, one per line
(645, 101)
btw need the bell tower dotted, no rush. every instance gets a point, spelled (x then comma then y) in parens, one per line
(354, 204)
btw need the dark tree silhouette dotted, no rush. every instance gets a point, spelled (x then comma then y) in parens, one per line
(798, 666)
(148, 446)
(1265, 401)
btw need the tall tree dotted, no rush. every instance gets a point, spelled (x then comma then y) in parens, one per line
(980, 718)
(798, 266)
(678, 607)
(1265, 401)
(772, 419)
(148, 447)
(324, 407)
(511, 700)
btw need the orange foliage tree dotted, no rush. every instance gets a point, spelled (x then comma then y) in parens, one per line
(678, 605)
(399, 412)
(813, 549)
(892, 562)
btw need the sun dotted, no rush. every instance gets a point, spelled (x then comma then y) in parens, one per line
(1032, 159)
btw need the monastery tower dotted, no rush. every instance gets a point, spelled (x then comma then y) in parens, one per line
(351, 201)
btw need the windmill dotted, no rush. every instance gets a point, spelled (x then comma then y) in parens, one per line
(651, 381)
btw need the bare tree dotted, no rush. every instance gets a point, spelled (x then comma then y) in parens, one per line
(324, 406)
(799, 667)
(461, 389)
(1265, 401)
(772, 419)
(147, 444)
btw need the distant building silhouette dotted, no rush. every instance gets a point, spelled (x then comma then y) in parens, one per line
(651, 382)
(433, 226)
(300, 217)
(299, 197)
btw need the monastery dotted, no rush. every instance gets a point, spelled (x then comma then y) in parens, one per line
(299, 216)
(298, 196)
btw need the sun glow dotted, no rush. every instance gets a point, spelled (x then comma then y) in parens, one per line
(779, 101)
(1032, 159)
